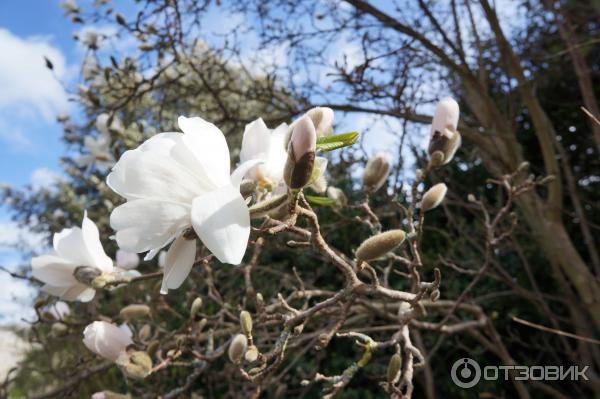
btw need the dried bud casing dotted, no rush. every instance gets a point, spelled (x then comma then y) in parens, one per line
(237, 348)
(246, 322)
(379, 245)
(301, 154)
(134, 311)
(135, 364)
(444, 135)
(433, 197)
(86, 274)
(394, 367)
(376, 172)
(195, 308)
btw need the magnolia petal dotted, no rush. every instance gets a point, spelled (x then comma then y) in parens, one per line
(145, 224)
(77, 292)
(277, 153)
(238, 174)
(91, 237)
(53, 270)
(256, 141)
(150, 175)
(222, 221)
(207, 143)
(178, 263)
(70, 245)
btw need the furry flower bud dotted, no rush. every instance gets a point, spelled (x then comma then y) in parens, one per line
(237, 348)
(301, 154)
(379, 245)
(394, 367)
(433, 197)
(134, 311)
(338, 196)
(251, 354)
(376, 172)
(246, 322)
(195, 308)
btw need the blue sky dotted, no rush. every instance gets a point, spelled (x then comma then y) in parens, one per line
(30, 99)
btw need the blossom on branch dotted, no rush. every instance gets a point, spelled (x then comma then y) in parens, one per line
(106, 339)
(74, 249)
(174, 182)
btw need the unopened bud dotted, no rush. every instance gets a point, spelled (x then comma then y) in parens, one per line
(433, 197)
(251, 354)
(152, 348)
(548, 179)
(259, 299)
(338, 196)
(523, 166)
(145, 332)
(120, 19)
(394, 367)
(237, 348)
(445, 118)
(436, 159)
(301, 154)
(59, 329)
(135, 364)
(134, 311)
(246, 322)
(434, 296)
(322, 119)
(263, 208)
(471, 198)
(376, 172)
(379, 245)
(86, 274)
(109, 395)
(195, 308)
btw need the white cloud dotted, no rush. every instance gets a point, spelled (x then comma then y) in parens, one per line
(43, 178)
(28, 88)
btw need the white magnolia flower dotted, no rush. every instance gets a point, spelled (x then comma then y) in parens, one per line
(106, 339)
(261, 143)
(175, 181)
(59, 310)
(73, 248)
(127, 260)
(445, 119)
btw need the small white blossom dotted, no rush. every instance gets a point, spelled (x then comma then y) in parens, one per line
(73, 248)
(106, 339)
(59, 310)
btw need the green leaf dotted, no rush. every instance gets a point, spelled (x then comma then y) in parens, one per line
(330, 143)
(316, 200)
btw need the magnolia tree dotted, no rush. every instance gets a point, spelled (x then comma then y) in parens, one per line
(183, 205)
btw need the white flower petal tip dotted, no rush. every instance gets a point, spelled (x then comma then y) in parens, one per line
(222, 221)
(106, 339)
(178, 263)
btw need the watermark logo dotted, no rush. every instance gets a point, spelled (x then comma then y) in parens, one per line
(466, 373)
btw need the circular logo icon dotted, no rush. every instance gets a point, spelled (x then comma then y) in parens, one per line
(465, 372)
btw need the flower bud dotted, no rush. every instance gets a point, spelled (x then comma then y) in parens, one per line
(379, 245)
(152, 347)
(246, 322)
(135, 364)
(195, 308)
(237, 348)
(444, 134)
(376, 172)
(434, 296)
(301, 154)
(322, 119)
(251, 354)
(59, 329)
(106, 339)
(338, 196)
(134, 311)
(86, 274)
(109, 395)
(394, 367)
(433, 197)
(145, 332)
